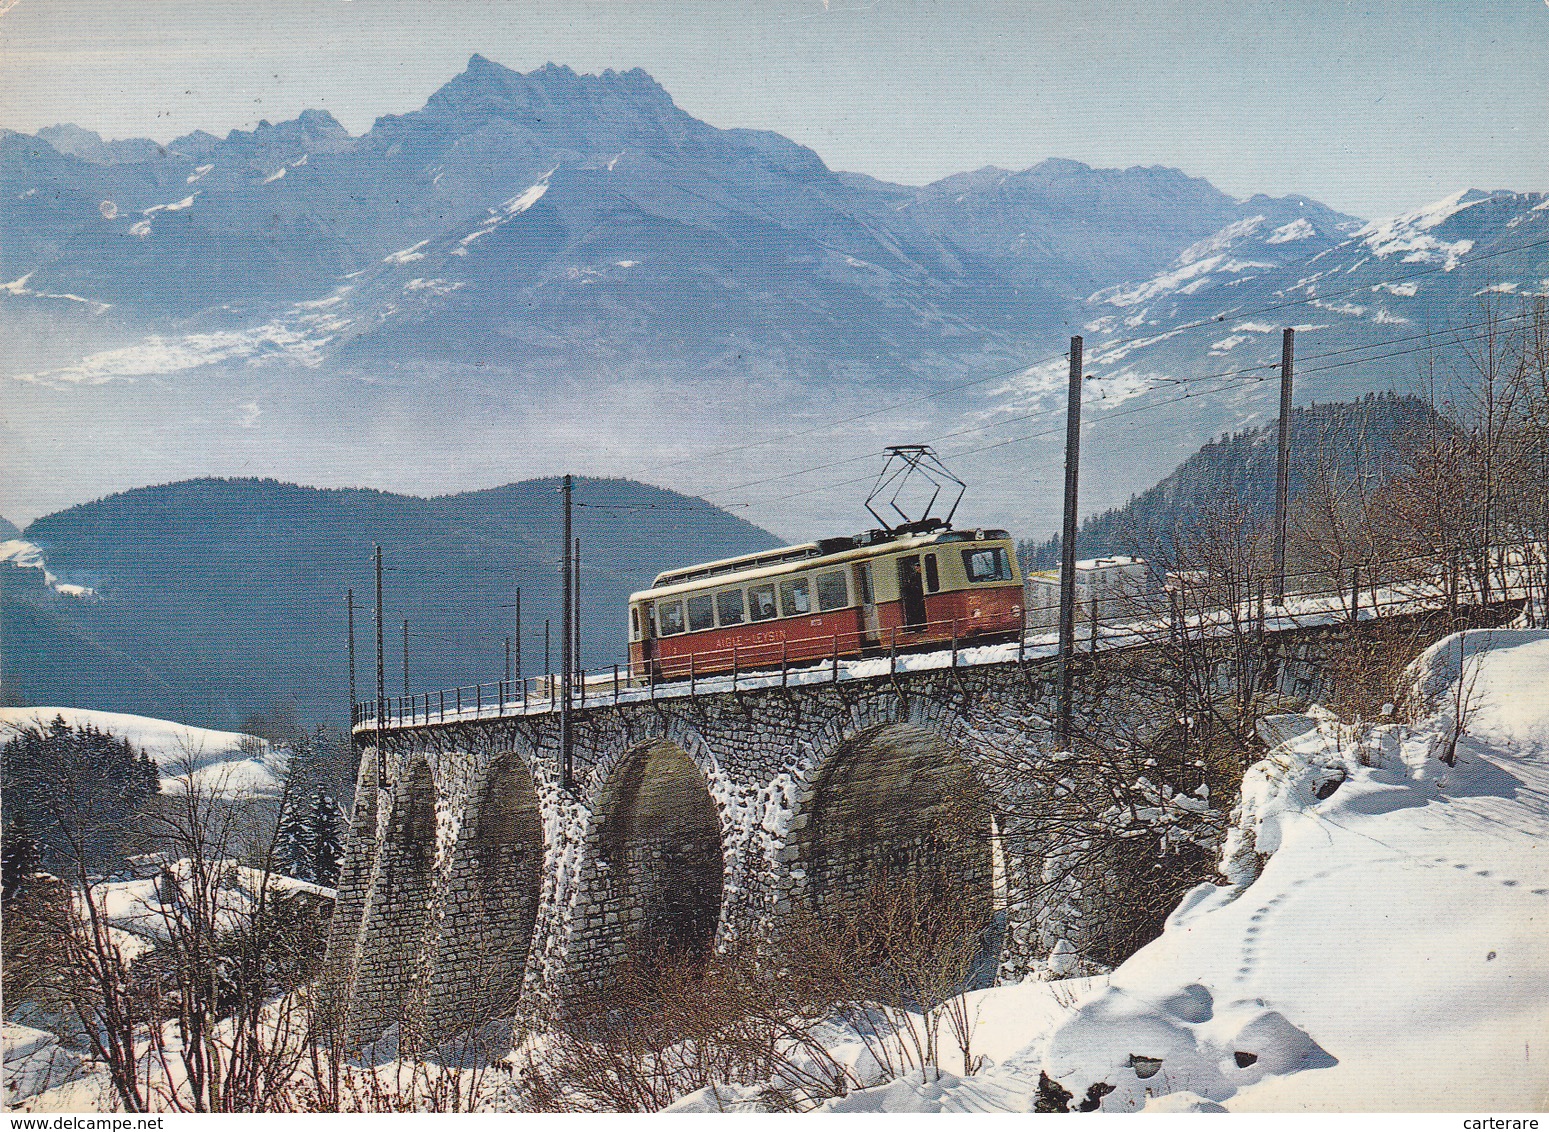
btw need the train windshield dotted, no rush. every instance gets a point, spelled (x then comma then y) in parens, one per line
(987, 564)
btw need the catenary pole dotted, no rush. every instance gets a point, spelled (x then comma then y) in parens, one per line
(575, 615)
(381, 675)
(1068, 539)
(566, 640)
(1283, 459)
(349, 602)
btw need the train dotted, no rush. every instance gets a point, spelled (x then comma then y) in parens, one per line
(917, 585)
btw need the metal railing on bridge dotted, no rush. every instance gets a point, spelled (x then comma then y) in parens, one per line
(1196, 603)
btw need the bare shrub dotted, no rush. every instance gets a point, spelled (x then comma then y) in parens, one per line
(887, 978)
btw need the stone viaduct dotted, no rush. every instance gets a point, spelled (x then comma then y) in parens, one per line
(474, 887)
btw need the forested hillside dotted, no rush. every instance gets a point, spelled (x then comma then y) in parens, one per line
(1354, 442)
(212, 600)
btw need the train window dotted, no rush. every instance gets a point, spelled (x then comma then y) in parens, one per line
(932, 575)
(761, 601)
(634, 622)
(987, 564)
(795, 598)
(729, 604)
(669, 614)
(863, 583)
(832, 591)
(701, 613)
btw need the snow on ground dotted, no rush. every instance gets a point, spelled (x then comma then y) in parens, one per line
(1004, 1019)
(34, 1062)
(505, 211)
(49, 1076)
(407, 255)
(138, 906)
(175, 206)
(1380, 949)
(29, 556)
(1298, 229)
(527, 197)
(223, 761)
(1379, 945)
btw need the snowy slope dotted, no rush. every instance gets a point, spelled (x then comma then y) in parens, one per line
(138, 906)
(34, 1061)
(216, 760)
(138, 917)
(1380, 949)
(29, 556)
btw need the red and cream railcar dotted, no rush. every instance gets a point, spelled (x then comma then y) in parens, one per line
(848, 597)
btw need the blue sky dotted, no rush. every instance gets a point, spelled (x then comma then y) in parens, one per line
(1369, 107)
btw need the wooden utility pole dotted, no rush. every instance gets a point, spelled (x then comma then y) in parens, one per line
(548, 664)
(566, 641)
(518, 637)
(1283, 460)
(405, 658)
(1068, 539)
(381, 676)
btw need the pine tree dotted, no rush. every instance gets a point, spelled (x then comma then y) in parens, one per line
(19, 858)
(293, 848)
(80, 792)
(327, 848)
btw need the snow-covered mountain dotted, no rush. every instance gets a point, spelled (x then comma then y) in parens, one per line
(554, 265)
(1193, 351)
(520, 244)
(547, 221)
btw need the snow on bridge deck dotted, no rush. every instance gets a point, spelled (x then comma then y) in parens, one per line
(537, 696)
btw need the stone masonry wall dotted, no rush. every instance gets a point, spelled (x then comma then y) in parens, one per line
(796, 796)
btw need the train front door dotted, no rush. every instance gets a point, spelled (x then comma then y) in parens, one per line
(911, 590)
(871, 624)
(648, 640)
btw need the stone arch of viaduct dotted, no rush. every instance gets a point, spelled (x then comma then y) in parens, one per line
(474, 888)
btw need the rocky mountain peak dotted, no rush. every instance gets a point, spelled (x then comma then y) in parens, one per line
(553, 91)
(73, 141)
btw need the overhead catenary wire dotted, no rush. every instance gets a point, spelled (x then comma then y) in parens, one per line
(1094, 423)
(1250, 375)
(1263, 370)
(1195, 385)
(968, 453)
(1106, 346)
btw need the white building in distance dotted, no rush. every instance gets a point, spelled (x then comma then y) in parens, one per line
(1113, 583)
